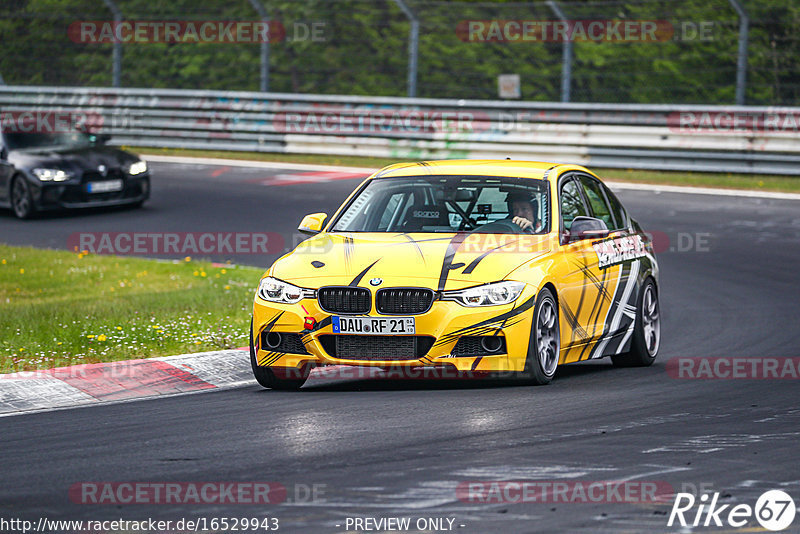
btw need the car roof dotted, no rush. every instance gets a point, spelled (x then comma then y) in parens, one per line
(475, 167)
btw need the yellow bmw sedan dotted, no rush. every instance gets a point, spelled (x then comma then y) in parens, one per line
(509, 267)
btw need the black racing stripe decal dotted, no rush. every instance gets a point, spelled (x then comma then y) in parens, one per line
(580, 300)
(452, 247)
(348, 251)
(269, 358)
(269, 325)
(602, 294)
(268, 328)
(572, 319)
(358, 278)
(275, 356)
(612, 309)
(475, 363)
(407, 236)
(488, 325)
(474, 263)
(589, 275)
(416, 246)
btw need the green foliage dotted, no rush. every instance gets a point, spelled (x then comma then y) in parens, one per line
(364, 49)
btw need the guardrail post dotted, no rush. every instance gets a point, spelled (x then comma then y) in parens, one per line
(741, 60)
(116, 55)
(413, 47)
(566, 55)
(262, 12)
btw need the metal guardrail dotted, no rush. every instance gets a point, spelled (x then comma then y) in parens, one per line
(659, 137)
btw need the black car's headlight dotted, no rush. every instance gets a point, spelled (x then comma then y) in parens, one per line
(486, 295)
(137, 167)
(51, 175)
(275, 290)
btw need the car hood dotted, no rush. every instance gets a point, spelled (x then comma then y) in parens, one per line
(439, 261)
(75, 160)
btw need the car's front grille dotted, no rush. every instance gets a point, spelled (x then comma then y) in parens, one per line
(344, 299)
(404, 300)
(282, 342)
(349, 347)
(96, 176)
(473, 346)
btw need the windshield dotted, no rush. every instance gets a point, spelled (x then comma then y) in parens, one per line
(447, 204)
(22, 141)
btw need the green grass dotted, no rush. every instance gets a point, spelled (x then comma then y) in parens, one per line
(754, 182)
(64, 308)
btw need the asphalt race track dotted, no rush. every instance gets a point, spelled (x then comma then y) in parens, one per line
(388, 448)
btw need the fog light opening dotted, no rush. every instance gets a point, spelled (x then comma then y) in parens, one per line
(491, 343)
(273, 340)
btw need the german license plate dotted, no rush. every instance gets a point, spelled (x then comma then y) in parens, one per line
(373, 325)
(104, 187)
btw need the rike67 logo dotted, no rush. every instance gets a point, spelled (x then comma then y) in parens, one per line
(774, 510)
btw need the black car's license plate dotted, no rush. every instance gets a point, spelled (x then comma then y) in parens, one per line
(106, 186)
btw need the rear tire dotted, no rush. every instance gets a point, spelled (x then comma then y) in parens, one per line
(544, 347)
(269, 378)
(646, 333)
(21, 198)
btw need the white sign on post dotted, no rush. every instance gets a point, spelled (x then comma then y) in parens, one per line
(508, 86)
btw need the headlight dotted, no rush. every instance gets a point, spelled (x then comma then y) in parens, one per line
(275, 290)
(137, 168)
(51, 175)
(487, 295)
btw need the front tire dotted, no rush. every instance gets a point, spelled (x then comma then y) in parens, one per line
(544, 347)
(646, 333)
(22, 199)
(269, 378)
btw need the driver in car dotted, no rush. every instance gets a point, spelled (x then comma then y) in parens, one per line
(523, 210)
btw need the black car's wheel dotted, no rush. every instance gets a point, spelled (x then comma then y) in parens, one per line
(545, 343)
(21, 198)
(267, 377)
(646, 333)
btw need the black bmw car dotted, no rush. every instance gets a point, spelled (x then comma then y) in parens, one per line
(43, 171)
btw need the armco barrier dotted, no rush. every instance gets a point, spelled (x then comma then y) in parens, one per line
(690, 138)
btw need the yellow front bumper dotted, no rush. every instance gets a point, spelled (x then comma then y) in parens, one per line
(446, 322)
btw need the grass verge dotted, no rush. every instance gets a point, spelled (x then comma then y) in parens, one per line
(749, 182)
(62, 308)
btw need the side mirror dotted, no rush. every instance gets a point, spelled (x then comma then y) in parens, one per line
(3, 153)
(587, 228)
(313, 223)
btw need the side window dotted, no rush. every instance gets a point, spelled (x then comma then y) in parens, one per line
(617, 209)
(597, 201)
(571, 203)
